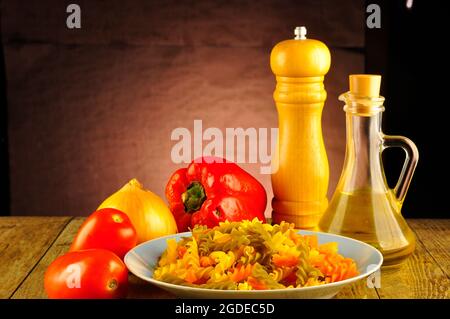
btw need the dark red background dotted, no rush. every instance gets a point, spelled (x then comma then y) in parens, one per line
(90, 109)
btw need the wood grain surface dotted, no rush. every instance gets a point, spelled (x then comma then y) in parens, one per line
(33, 285)
(29, 245)
(24, 241)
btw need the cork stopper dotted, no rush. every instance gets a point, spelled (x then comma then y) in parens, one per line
(367, 85)
(364, 97)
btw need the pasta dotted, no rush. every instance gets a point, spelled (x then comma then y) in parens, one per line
(251, 255)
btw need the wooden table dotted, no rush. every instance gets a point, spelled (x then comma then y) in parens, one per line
(29, 244)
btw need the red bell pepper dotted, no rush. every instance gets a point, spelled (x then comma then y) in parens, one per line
(211, 190)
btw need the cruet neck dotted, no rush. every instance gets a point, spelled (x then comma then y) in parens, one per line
(362, 105)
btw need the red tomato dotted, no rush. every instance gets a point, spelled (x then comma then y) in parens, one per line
(86, 274)
(109, 229)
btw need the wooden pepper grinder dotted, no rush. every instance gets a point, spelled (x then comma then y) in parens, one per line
(300, 164)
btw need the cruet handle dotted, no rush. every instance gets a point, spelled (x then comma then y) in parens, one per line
(412, 156)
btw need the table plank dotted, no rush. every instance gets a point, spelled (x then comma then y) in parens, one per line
(141, 289)
(423, 275)
(435, 237)
(33, 285)
(419, 277)
(23, 242)
(358, 290)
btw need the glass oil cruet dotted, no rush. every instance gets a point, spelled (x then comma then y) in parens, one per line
(363, 206)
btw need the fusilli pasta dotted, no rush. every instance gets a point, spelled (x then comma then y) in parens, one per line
(251, 255)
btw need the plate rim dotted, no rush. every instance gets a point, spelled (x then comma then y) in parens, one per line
(279, 290)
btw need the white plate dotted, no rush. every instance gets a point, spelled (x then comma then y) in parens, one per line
(142, 260)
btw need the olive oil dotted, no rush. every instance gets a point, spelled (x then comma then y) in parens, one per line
(371, 217)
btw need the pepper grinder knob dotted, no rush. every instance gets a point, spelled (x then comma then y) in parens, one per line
(300, 33)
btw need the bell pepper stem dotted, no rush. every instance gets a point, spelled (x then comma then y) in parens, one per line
(193, 197)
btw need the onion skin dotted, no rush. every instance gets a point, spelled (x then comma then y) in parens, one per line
(148, 213)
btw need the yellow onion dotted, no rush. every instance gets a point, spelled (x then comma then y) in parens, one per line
(148, 213)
